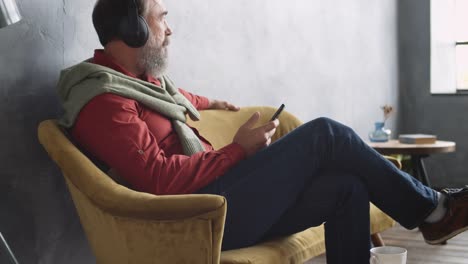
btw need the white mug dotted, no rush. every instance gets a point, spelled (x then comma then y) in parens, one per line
(388, 255)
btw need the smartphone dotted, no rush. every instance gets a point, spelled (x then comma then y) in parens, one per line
(278, 112)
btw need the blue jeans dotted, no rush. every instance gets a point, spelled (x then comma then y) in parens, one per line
(320, 172)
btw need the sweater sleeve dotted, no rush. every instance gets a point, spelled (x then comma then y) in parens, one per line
(109, 128)
(200, 102)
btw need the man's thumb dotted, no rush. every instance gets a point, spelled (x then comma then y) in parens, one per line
(252, 120)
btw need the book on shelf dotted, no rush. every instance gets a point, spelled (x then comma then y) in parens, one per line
(417, 139)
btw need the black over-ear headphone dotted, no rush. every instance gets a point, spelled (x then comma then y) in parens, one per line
(133, 28)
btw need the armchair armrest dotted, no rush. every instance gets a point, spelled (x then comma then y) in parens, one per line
(121, 201)
(152, 234)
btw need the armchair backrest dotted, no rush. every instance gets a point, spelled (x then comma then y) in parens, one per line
(86, 181)
(219, 126)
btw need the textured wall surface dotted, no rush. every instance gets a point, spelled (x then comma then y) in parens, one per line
(421, 112)
(321, 58)
(333, 58)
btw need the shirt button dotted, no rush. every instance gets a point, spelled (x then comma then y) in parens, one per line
(141, 152)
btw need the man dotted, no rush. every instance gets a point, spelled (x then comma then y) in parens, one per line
(123, 110)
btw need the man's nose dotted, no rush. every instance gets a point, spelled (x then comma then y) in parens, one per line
(168, 30)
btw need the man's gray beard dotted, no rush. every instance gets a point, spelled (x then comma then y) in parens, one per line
(153, 60)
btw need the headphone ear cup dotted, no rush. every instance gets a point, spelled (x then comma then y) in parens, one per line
(134, 34)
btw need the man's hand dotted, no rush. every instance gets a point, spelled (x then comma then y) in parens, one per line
(216, 104)
(253, 139)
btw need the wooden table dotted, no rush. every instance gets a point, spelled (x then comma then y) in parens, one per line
(417, 152)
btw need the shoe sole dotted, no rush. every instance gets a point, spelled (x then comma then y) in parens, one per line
(447, 237)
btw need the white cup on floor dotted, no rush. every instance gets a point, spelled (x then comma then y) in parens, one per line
(388, 255)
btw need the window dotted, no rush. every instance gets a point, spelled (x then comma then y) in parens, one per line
(449, 46)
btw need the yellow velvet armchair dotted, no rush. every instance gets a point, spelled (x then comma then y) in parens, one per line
(126, 226)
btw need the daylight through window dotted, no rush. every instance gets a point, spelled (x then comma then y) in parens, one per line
(461, 27)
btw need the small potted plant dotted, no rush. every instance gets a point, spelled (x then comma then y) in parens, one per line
(380, 133)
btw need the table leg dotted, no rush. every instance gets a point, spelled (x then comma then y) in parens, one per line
(377, 240)
(419, 169)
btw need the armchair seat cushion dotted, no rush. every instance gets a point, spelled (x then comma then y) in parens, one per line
(297, 247)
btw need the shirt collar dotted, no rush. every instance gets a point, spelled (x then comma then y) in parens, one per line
(103, 59)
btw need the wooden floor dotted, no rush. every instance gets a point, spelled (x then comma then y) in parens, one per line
(455, 252)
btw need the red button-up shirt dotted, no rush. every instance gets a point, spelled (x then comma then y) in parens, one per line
(141, 145)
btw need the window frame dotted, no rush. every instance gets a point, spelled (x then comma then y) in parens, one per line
(443, 46)
(460, 43)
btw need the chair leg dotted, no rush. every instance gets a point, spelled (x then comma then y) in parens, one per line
(377, 240)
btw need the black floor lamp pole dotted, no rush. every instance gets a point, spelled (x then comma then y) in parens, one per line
(5, 252)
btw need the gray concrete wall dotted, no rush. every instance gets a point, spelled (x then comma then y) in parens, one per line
(333, 58)
(421, 112)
